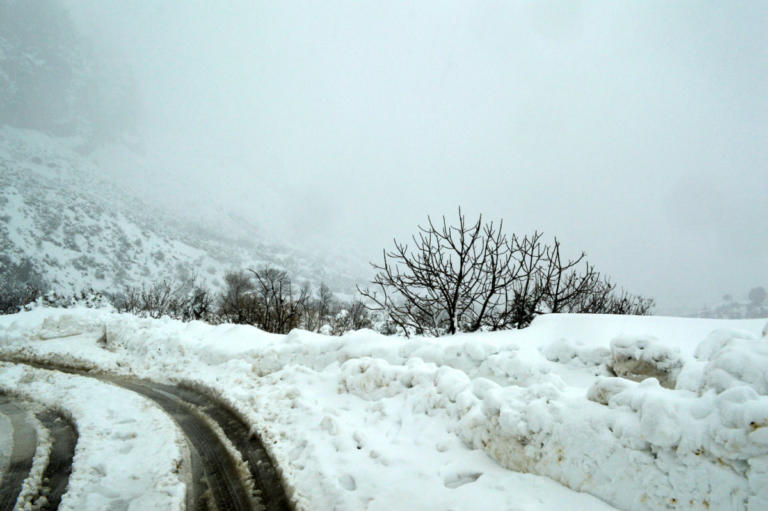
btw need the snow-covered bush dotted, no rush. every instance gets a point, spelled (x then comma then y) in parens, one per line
(85, 298)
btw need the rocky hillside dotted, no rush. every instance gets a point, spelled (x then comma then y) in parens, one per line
(81, 204)
(60, 211)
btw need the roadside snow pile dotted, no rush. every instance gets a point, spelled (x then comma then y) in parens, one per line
(30, 495)
(642, 412)
(128, 454)
(734, 359)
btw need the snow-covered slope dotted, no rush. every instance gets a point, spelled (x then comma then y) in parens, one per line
(81, 228)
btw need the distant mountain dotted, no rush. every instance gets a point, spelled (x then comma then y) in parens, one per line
(63, 213)
(82, 205)
(54, 80)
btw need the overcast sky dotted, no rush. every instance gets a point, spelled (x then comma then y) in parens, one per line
(636, 131)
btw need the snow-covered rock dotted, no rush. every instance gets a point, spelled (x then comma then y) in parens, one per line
(641, 358)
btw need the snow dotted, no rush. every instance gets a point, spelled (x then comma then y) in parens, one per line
(84, 223)
(30, 489)
(529, 419)
(128, 454)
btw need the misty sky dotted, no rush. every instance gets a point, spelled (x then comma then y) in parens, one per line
(636, 131)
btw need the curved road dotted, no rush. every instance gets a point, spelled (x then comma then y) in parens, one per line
(216, 482)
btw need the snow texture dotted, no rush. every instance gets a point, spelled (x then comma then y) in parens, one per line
(30, 489)
(470, 421)
(129, 454)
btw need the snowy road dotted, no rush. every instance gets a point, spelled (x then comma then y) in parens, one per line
(189, 406)
(38, 449)
(56, 475)
(212, 465)
(229, 469)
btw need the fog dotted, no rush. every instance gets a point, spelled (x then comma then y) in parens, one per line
(633, 131)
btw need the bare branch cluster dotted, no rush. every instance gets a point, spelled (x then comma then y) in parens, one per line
(472, 276)
(20, 284)
(186, 301)
(268, 299)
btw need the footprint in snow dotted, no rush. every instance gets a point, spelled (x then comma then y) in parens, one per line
(348, 482)
(460, 479)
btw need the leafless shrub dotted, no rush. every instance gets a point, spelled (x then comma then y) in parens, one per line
(237, 303)
(472, 276)
(353, 316)
(318, 311)
(186, 301)
(20, 284)
(278, 305)
(267, 298)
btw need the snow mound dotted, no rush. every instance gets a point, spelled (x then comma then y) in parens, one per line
(565, 351)
(644, 413)
(734, 358)
(67, 325)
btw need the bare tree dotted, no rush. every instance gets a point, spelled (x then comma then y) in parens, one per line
(352, 316)
(198, 305)
(20, 284)
(562, 283)
(236, 304)
(325, 304)
(187, 301)
(281, 306)
(456, 278)
(433, 288)
(522, 300)
(472, 276)
(599, 300)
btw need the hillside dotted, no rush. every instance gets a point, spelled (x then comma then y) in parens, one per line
(81, 203)
(78, 229)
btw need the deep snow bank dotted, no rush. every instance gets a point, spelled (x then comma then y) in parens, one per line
(406, 413)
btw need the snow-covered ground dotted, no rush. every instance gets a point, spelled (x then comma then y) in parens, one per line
(530, 419)
(79, 221)
(128, 454)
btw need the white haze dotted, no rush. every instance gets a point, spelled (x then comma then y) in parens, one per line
(635, 131)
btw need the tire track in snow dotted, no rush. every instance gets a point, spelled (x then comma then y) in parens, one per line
(56, 474)
(221, 475)
(212, 465)
(263, 472)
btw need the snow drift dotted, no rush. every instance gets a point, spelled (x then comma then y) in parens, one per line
(642, 412)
